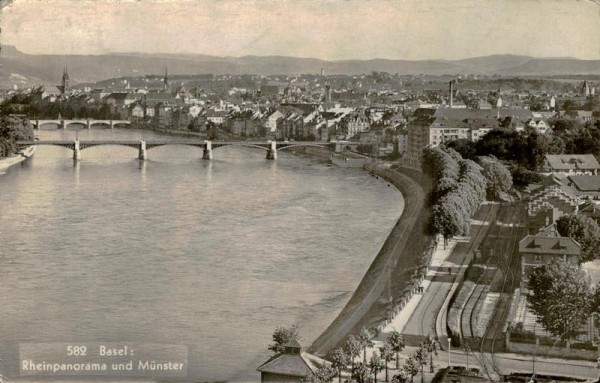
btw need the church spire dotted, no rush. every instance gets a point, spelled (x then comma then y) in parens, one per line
(166, 80)
(65, 80)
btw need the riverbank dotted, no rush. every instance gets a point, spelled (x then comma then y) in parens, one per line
(391, 273)
(21, 156)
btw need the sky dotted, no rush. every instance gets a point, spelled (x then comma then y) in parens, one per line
(326, 29)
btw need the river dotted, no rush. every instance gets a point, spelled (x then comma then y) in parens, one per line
(212, 255)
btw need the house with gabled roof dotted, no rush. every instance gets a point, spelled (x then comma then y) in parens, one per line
(545, 246)
(290, 365)
(570, 164)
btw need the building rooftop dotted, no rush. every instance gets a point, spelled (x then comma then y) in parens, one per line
(586, 183)
(543, 244)
(572, 161)
(293, 362)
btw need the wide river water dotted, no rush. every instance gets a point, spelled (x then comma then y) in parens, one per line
(212, 255)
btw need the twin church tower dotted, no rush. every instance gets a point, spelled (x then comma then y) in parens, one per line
(65, 87)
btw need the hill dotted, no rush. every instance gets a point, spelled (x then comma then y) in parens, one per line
(25, 69)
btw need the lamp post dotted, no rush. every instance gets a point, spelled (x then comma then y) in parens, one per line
(449, 340)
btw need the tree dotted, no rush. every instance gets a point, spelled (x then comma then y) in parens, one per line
(366, 340)
(448, 218)
(353, 349)
(396, 342)
(13, 129)
(465, 147)
(563, 127)
(438, 162)
(432, 345)
(339, 360)
(411, 368)
(283, 335)
(421, 357)
(499, 179)
(212, 130)
(324, 374)
(499, 143)
(570, 105)
(361, 373)
(387, 355)
(584, 230)
(375, 365)
(400, 377)
(523, 177)
(562, 297)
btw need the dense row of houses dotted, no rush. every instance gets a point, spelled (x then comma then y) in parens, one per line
(305, 109)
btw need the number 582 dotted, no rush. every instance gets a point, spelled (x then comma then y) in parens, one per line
(76, 350)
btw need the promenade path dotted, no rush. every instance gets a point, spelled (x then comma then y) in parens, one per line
(418, 317)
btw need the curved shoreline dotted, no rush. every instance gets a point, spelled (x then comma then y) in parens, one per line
(392, 268)
(21, 156)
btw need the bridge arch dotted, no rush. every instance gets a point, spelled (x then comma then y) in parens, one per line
(133, 145)
(49, 122)
(151, 145)
(75, 122)
(99, 122)
(60, 144)
(216, 145)
(304, 145)
(121, 122)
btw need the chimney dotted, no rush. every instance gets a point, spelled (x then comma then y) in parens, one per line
(451, 93)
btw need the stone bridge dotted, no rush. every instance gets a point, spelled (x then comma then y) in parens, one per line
(207, 146)
(88, 122)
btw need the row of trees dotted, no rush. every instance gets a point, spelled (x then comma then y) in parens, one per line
(13, 129)
(363, 370)
(367, 371)
(459, 188)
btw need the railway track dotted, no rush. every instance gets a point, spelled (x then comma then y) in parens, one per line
(479, 235)
(502, 308)
(469, 309)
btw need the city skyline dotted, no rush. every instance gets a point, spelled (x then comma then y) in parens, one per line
(329, 30)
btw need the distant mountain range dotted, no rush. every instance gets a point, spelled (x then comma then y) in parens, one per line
(24, 69)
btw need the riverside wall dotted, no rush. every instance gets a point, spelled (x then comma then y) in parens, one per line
(21, 156)
(395, 272)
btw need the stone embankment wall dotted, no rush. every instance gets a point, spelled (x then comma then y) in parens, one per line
(397, 270)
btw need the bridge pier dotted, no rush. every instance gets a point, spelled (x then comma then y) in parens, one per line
(111, 124)
(88, 124)
(76, 151)
(37, 124)
(63, 124)
(338, 147)
(272, 151)
(207, 155)
(142, 155)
